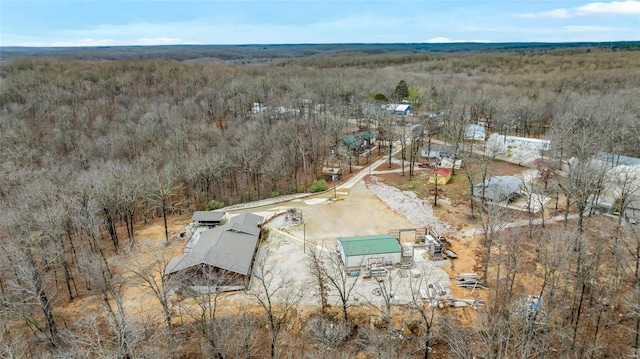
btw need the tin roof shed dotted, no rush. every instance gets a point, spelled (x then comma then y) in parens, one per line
(207, 216)
(367, 245)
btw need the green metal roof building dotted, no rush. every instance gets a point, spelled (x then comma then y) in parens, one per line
(357, 251)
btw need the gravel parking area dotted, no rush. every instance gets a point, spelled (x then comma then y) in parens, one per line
(287, 253)
(357, 211)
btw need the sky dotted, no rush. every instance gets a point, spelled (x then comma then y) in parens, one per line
(218, 22)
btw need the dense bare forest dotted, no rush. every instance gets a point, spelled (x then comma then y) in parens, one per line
(93, 150)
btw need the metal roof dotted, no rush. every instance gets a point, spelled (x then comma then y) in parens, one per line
(376, 244)
(397, 107)
(331, 170)
(442, 171)
(248, 219)
(618, 159)
(230, 247)
(207, 216)
(438, 150)
(474, 132)
(503, 184)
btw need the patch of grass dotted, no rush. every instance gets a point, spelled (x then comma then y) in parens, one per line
(319, 186)
(213, 204)
(457, 189)
(409, 186)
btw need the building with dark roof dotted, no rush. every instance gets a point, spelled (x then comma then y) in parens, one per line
(207, 218)
(222, 256)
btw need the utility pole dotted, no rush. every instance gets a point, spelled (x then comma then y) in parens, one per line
(334, 178)
(435, 196)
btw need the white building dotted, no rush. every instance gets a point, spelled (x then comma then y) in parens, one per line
(356, 252)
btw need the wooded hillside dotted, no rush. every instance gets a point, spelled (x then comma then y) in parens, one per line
(93, 150)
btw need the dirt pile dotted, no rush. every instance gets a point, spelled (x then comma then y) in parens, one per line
(409, 205)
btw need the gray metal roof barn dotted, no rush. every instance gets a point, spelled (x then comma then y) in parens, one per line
(498, 189)
(228, 249)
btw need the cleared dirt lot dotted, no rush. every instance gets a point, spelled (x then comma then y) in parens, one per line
(353, 212)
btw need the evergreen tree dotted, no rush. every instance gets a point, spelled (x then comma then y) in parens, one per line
(402, 90)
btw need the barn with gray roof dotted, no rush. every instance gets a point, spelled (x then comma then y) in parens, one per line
(222, 256)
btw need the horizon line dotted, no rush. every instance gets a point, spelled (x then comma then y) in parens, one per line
(325, 43)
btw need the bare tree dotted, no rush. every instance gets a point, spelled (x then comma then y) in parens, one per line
(417, 135)
(494, 218)
(576, 139)
(151, 276)
(554, 255)
(128, 193)
(103, 192)
(13, 347)
(277, 294)
(510, 258)
(403, 138)
(162, 189)
(209, 302)
(634, 299)
(110, 286)
(456, 120)
(330, 270)
(624, 184)
(316, 264)
(209, 168)
(31, 288)
(326, 332)
(425, 307)
(385, 291)
(388, 132)
(458, 339)
(478, 166)
(529, 190)
(236, 334)
(49, 223)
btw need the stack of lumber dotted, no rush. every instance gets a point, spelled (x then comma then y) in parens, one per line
(474, 303)
(469, 280)
(451, 254)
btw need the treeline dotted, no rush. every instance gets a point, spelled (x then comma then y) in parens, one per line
(251, 53)
(90, 150)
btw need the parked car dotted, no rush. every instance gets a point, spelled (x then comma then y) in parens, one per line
(426, 165)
